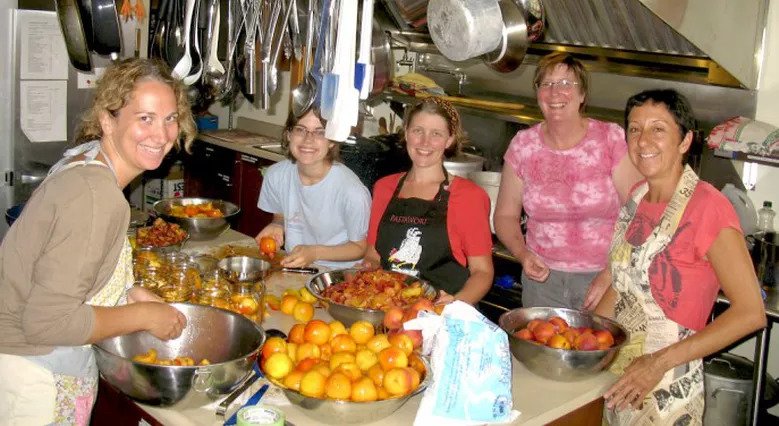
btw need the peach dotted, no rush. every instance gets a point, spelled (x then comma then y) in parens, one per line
(313, 384)
(365, 359)
(376, 373)
(605, 339)
(415, 335)
(336, 328)
(560, 324)
(402, 341)
(378, 342)
(292, 380)
(570, 335)
(273, 345)
(308, 350)
(361, 331)
(278, 365)
(393, 318)
(524, 334)
(364, 390)
(341, 358)
(338, 386)
(296, 334)
(351, 370)
(303, 311)
(392, 357)
(316, 332)
(585, 342)
(343, 343)
(306, 364)
(533, 323)
(543, 331)
(558, 341)
(397, 381)
(415, 362)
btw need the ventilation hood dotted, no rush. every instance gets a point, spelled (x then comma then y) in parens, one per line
(716, 42)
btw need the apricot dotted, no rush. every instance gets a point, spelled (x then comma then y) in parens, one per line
(543, 331)
(393, 318)
(585, 342)
(313, 384)
(278, 365)
(570, 335)
(308, 350)
(273, 345)
(338, 386)
(292, 380)
(343, 343)
(376, 373)
(398, 381)
(303, 311)
(558, 341)
(365, 359)
(605, 339)
(560, 324)
(288, 303)
(316, 332)
(415, 362)
(341, 358)
(524, 334)
(351, 370)
(336, 328)
(364, 390)
(392, 357)
(296, 334)
(306, 364)
(378, 342)
(361, 331)
(402, 341)
(533, 323)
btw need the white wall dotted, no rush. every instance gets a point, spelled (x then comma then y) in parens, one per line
(767, 187)
(6, 106)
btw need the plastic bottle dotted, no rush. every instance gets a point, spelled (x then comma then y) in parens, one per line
(765, 218)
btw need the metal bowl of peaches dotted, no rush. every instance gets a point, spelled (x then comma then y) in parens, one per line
(366, 310)
(565, 365)
(337, 412)
(203, 218)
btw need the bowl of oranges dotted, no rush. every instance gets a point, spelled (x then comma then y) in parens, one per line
(344, 375)
(203, 218)
(562, 344)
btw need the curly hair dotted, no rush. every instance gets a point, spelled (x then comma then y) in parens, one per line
(117, 84)
(333, 153)
(444, 109)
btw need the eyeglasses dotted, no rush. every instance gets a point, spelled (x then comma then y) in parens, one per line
(301, 132)
(564, 85)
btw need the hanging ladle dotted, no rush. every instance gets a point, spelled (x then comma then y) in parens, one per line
(303, 95)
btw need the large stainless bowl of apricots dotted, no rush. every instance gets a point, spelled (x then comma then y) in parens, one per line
(562, 344)
(203, 218)
(214, 353)
(352, 294)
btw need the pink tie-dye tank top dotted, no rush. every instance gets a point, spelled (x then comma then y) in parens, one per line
(569, 195)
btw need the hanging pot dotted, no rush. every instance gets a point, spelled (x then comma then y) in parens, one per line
(107, 37)
(73, 31)
(381, 56)
(514, 40)
(464, 29)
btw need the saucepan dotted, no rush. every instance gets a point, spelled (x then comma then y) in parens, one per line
(464, 29)
(250, 269)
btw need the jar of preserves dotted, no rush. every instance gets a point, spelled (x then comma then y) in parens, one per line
(246, 298)
(180, 286)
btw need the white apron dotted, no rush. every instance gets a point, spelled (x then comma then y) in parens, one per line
(61, 387)
(679, 397)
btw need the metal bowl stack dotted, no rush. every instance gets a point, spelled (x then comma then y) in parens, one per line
(228, 340)
(348, 314)
(199, 228)
(337, 412)
(561, 364)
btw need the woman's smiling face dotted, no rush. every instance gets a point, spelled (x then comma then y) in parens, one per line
(144, 130)
(427, 136)
(307, 141)
(655, 143)
(560, 95)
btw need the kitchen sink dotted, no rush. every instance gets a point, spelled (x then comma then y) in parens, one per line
(275, 148)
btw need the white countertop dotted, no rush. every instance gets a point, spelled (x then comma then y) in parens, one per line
(539, 400)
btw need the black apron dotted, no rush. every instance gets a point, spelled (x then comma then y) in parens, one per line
(412, 239)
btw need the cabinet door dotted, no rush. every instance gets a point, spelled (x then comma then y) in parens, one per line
(248, 169)
(208, 173)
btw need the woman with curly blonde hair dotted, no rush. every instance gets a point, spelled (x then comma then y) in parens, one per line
(428, 223)
(65, 264)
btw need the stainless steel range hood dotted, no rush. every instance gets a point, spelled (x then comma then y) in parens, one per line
(714, 41)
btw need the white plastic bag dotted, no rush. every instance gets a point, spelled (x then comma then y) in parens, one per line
(471, 367)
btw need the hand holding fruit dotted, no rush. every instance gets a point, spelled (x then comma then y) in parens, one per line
(270, 239)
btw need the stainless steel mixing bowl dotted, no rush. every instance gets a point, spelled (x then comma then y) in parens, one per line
(228, 340)
(244, 268)
(347, 314)
(199, 228)
(336, 412)
(561, 364)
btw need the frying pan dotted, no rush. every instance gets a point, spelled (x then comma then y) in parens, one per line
(73, 32)
(85, 7)
(107, 38)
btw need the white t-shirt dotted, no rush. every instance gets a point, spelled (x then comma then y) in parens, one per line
(330, 212)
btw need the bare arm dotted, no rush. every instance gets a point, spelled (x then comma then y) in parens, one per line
(160, 319)
(746, 313)
(597, 289)
(304, 255)
(508, 211)
(479, 281)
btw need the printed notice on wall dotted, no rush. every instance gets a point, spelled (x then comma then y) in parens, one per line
(43, 54)
(43, 110)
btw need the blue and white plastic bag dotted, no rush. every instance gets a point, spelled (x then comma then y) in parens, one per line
(471, 368)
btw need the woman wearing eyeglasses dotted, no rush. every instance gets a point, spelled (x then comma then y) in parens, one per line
(320, 207)
(571, 174)
(428, 223)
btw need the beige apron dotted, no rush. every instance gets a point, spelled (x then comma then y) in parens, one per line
(61, 387)
(679, 397)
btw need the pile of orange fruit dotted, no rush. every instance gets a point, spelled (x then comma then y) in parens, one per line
(329, 361)
(297, 303)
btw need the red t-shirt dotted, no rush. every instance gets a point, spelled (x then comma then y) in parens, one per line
(681, 278)
(467, 220)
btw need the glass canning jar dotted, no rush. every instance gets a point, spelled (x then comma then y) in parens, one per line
(246, 298)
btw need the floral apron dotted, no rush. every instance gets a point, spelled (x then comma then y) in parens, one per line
(679, 397)
(72, 371)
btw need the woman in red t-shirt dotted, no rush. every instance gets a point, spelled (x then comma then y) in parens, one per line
(428, 223)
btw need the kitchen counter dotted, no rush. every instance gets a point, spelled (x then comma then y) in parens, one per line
(244, 142)
(539, 400)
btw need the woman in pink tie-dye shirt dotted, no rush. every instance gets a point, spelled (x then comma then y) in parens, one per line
(571, 174)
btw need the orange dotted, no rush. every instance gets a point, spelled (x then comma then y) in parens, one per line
(338, 386)
(313, 384)
(364, 390)
(303, 311)
(296, 334)
(268, 246)
(288, 303)
(361, 331)
(343, 343)
(278, 365)
(317, 332)
(292, 380)
(273, 345)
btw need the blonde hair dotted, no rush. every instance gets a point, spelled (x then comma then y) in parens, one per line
(116, 85)
(549, 62)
